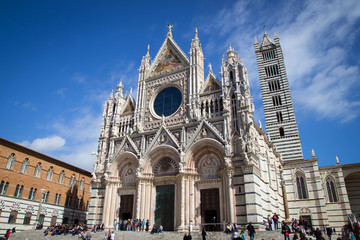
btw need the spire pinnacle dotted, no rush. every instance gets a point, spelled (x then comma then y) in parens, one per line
(148, 50)
(256, 41)
(196, 33)
(111, 94)
(210, 67)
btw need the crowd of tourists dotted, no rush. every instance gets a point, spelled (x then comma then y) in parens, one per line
(136, 225)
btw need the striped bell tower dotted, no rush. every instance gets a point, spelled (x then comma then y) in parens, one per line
(281, 125)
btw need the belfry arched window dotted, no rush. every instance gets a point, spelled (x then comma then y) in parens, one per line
(301, 186)
(11, 161)
(331, 190)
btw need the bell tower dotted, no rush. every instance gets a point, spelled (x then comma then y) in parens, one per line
(281, 125)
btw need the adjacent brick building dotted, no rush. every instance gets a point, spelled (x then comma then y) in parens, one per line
(37, 188)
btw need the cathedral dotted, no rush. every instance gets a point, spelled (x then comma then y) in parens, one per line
(187, 151)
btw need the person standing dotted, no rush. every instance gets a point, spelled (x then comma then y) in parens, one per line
(147, 225)
(276, 221)
(318, 234)
(7, 234)
(203, 233)
(285, 230)
(112, 235)
(251, 231)
(270, 222)
(329, 232)
(242, 235)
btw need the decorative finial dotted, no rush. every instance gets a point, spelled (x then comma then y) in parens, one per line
(196, 33)
(148, 49)
(130, 91)
(112, 93)
(169, 27)
(210, 67)
(260, 126)
(337, 160)
(312, 153)
(256, 41)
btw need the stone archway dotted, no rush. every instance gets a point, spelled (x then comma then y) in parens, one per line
(352, 182)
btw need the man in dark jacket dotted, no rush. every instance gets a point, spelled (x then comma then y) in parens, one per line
(251, 231)
(318, 234)
(329, 232)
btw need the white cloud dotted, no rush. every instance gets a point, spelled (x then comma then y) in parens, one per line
(46, 145)
(80, 155)
(316, 39)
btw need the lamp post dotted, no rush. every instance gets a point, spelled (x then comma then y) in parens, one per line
(43, 192)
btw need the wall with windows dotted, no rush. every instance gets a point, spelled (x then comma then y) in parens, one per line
(34, 187)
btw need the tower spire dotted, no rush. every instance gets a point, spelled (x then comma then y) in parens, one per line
(277, 102)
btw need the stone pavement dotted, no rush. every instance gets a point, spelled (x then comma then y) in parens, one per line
(123, 235)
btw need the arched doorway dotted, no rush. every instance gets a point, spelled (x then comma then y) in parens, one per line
(353, 190)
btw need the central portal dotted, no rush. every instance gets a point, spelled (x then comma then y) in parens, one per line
(210, 208)
(164, 209)
(126, 207)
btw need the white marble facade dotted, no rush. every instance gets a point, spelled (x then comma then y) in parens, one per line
(204, 147)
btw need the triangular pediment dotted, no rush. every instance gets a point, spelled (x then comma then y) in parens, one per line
(126, 145)
(204, 130)
(211, 84)
(163, 137)
(169, 58)
(266, 42)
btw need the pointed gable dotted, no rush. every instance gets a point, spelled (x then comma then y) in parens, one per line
(266, 42)
(211, 84)
(169, 57)
(129, 105)
(163, 137)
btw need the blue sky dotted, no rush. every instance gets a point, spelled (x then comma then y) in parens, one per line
(61, 59)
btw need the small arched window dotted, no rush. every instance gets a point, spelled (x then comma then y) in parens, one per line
(82, 183)
(27, 219)
(72, 180)
(3, 187)
(13, 216)
(331, 190)
(32, 193)
(61, 177)
(11, 161)
(37, 170)
(45, 196)
(57, 199)
(301, 186)
(50, 173)
(24, 166)
(18, 190)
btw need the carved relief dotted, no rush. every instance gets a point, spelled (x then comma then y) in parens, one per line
(166, 166)
(208, 169)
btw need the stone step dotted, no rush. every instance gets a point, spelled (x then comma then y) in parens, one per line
(124, 235)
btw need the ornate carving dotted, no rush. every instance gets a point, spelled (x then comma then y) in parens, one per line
(15, 207)
(29, 209)
(2, 204)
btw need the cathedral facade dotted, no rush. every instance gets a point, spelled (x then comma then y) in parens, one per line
(188, 151)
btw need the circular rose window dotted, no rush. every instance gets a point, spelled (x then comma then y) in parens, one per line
(167, 101)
